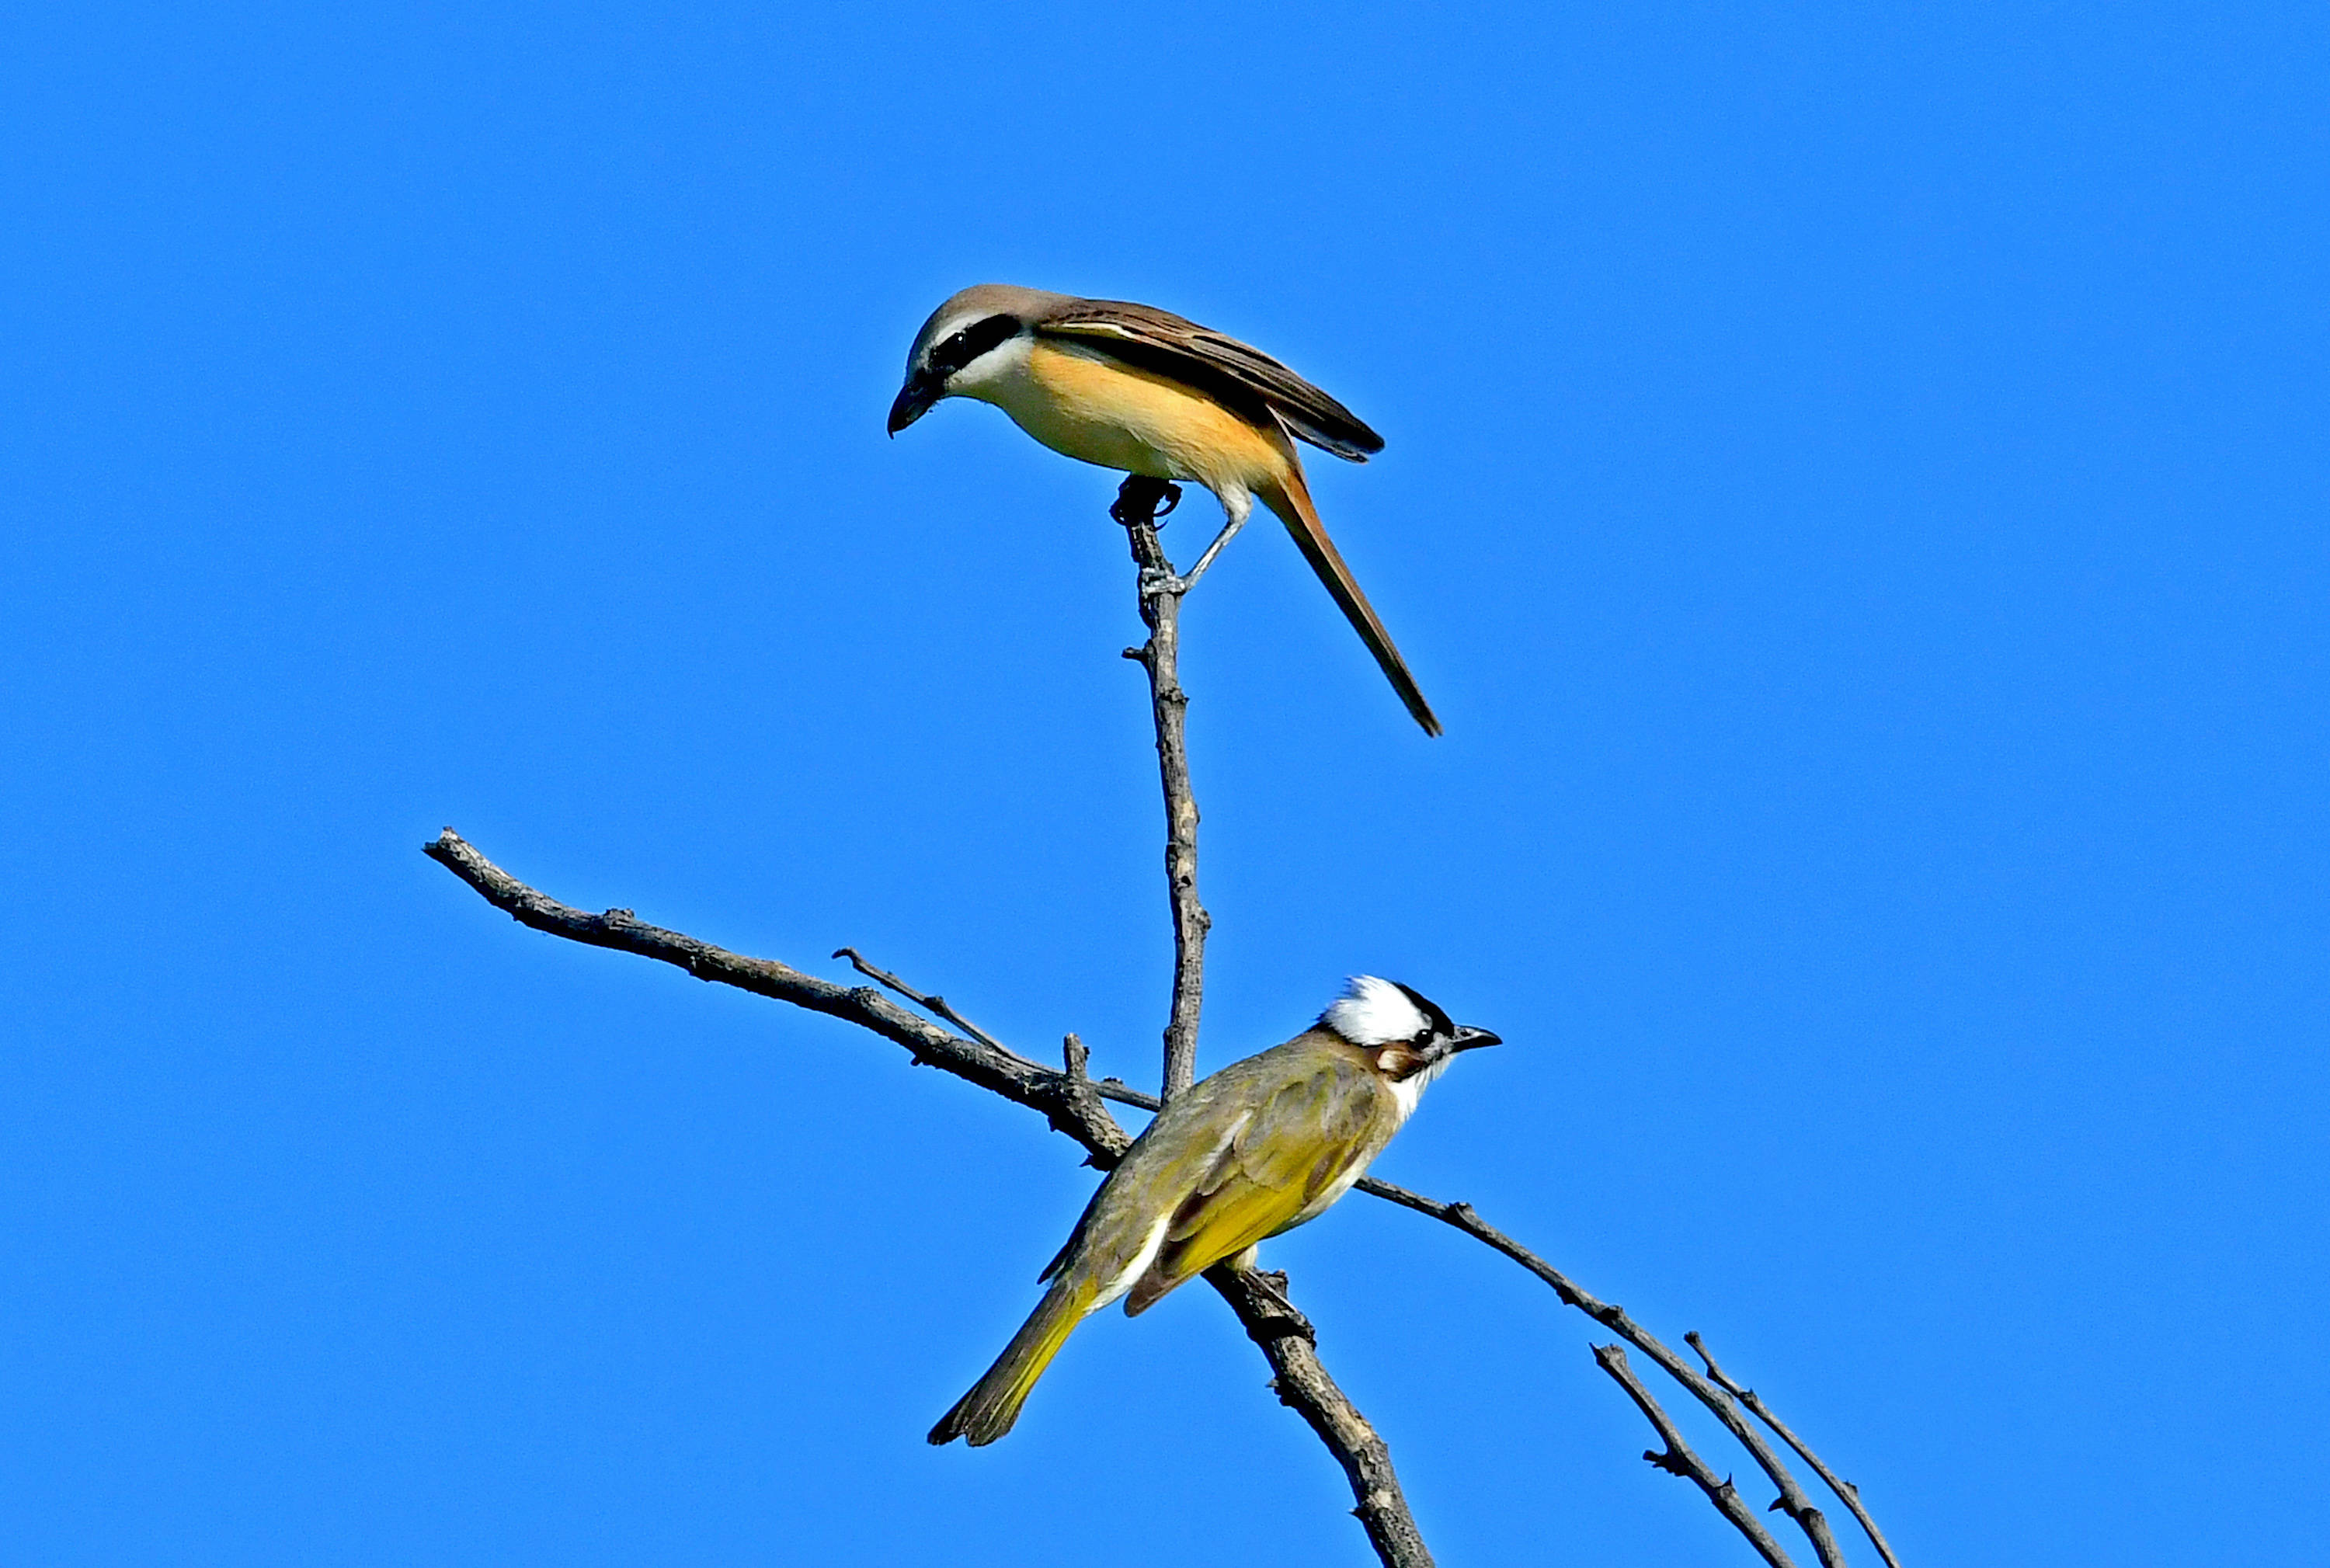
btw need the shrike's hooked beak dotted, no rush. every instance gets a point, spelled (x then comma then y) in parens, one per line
(914, 399)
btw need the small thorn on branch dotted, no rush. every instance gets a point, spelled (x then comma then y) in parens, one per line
(1797, 1507)
(1678, 1459)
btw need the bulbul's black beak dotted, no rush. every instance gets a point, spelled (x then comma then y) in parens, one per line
(914, 399)
(1467, 1038)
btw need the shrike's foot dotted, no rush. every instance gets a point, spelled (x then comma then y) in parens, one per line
(1156, 580)
(1143, 499)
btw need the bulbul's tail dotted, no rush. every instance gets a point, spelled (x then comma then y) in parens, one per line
(1291, 502)
(987, 1410)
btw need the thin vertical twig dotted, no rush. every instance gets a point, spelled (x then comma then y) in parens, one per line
(1270, 1319)
(1138, 506)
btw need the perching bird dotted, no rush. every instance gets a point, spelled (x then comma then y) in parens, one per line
(1259, 1148)
(1140, 390)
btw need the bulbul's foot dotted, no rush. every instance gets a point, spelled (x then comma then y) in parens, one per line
(1272, 1284)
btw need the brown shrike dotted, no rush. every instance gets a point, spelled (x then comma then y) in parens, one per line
(1139, 390)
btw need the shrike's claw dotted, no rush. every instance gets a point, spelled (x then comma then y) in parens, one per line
(1141, 498)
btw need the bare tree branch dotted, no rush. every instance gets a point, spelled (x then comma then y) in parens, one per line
(1067, 1098)
(1680, 1461)
(1847, 1493)
(1303, 1385)
(991, 1067)
(1792, 1500)
(1072, 1102)
(1137, 508)
(1114, 1089)
(931, 1003)
(1270, 1321)
(1136, 503)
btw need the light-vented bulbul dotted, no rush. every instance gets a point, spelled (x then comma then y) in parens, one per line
(1259, 1148)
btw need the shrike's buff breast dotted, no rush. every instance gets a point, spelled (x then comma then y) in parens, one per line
(1110, 413)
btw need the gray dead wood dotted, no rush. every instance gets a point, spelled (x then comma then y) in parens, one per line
(1137, 508)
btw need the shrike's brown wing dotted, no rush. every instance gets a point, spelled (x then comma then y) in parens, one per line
(1235, 375)
(1258, 388)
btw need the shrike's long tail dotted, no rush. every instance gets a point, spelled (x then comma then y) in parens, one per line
(1291, 502)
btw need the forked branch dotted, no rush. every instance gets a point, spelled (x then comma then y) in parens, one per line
(1847, 1493)
(1792, 1500)
(1072, 1104)
(1676, 1458)
(1066, 1097)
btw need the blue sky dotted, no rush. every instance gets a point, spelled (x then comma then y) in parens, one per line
(1854, 493)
